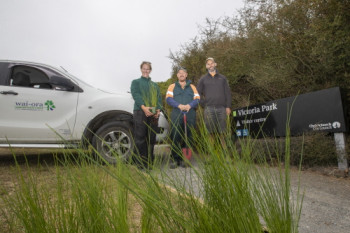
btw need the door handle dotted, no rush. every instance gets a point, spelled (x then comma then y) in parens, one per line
(8, 93)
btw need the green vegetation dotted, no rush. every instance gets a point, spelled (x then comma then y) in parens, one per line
(275, 49)
(150, 97)
(226, 191)
(318, 149)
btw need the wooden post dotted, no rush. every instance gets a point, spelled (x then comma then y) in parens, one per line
(339, 139)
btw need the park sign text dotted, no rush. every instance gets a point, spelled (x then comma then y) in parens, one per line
(315, 111)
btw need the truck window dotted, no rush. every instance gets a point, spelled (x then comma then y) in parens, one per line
(25, 76)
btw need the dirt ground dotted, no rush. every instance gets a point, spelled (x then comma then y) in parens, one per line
(326, 205)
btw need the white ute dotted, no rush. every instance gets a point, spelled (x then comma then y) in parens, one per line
(46, 107)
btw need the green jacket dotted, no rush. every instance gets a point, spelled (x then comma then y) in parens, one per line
(143, 90)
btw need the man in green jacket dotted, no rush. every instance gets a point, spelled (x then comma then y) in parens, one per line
(147, 107)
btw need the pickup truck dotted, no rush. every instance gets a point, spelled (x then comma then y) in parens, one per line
(46, 107)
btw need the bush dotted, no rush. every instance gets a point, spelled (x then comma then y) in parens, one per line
(313, 149)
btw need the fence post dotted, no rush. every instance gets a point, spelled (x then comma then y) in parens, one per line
(339, 139)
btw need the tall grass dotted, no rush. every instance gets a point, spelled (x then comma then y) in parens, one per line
(223, 190)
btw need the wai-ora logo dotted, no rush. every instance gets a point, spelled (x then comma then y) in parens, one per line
(35, 106)
(50, 105)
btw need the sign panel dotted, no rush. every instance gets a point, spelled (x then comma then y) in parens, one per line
(315, 111)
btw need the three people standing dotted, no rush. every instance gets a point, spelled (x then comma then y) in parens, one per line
(213, 92)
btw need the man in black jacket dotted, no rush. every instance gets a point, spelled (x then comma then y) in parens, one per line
(215, 96)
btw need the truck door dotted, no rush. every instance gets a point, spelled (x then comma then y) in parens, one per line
(33, 110)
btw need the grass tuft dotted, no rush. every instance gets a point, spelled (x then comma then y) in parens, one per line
(225, 189)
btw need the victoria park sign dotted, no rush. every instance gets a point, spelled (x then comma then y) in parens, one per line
(314, 111)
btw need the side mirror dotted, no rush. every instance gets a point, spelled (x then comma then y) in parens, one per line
(61, 83)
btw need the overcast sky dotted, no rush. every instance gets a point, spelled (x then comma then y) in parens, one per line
(103, 42)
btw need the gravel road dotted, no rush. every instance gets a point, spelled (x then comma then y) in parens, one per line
(326, 205)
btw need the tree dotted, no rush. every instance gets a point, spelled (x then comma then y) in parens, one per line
(275, 48)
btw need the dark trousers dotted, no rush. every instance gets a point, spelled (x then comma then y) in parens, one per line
(145, 137)
(177, 134)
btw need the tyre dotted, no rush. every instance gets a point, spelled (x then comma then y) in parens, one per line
(114, 140)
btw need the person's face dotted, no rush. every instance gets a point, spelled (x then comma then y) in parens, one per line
(181, 75)
(210, 65)
(145, 70)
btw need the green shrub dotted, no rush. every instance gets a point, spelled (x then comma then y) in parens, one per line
(318, 149)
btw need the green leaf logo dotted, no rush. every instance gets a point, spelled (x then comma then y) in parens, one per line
(50, 105)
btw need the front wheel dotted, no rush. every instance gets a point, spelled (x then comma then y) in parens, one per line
(114, 140)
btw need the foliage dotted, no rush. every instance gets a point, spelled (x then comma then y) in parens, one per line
(150, 96)
(163, 86)
(231, 193)
(318, 149)
(274, 49)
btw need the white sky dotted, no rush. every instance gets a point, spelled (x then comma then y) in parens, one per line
(103, 42)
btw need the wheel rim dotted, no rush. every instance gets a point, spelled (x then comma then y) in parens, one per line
(115, 143)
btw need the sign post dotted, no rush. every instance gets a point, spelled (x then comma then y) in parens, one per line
(339, 139)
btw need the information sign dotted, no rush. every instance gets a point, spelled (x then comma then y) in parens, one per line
(315, 111)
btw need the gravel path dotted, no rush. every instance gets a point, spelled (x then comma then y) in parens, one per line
(326, 205)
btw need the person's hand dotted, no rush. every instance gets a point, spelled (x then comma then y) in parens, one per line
(187, 107)
(228, 111)
(157, 114)
(184, 108)
(181, 107)
(147, 111)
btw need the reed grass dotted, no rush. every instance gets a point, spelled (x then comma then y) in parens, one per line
(223, 190)
(150, 96)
